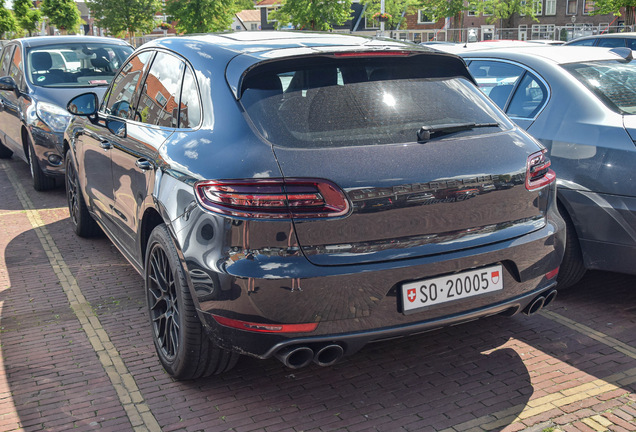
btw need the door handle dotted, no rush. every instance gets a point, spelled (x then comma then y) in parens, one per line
(106, 145)
(143, 164)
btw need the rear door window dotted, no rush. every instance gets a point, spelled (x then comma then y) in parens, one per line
(611, 42)
(7, 54)
(190, 106)
(528, 99)
(15, 69)
(583, 42)
(362, 101)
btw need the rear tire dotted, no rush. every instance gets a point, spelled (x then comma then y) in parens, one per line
(41, 182)
(83, 223)
(5, 153)
(572, 268)
(184, 348)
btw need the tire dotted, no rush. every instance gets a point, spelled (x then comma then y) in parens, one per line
(184, 348)
(83, 223)
(572, 268)
(5, 153)
(41, 182)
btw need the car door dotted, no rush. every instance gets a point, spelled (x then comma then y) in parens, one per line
(94, 146)
(15, 102)
(519, 92)
(7, 57)
(133, 155)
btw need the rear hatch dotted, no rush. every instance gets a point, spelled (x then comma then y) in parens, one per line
(427, 162)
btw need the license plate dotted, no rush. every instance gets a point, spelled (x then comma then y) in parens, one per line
(423, 293)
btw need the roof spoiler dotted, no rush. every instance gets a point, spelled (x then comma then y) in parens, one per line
(625, 53)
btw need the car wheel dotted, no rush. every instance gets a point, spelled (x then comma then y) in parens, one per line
(83, 223)
(572, 268)
(185, 350)
(41, 182)
(5, 153)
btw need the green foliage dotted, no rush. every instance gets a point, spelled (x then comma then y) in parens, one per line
(8, 23)
(201, 16)
(602, 7)
(26, 17)
(395, 8)
(504, 10)
(312, 15)
(130, 16)
(244, 5)
(436, 9)
(63, 14)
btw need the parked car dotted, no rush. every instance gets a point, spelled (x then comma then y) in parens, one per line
(38, 76)
(607, 40)
(580, 103)
(246, 176)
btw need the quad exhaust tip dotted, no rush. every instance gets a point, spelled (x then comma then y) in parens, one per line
(328, 355)
(295, 357)
(540, 301)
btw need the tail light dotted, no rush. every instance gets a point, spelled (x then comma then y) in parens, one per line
(538, 172)
(273, 198)
(552, 274)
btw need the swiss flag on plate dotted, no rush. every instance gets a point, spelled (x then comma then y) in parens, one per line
(410, 294)
(494, 277)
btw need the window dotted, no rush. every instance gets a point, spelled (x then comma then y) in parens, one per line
(583, 42)
(370, 23)
(6, 59)
(538, 7)
(496, 79)
(15, 70)
(254, 26)
(422, 18)
(543, 31)
(190, 107)
(529, 98)
(121, 96)
(588, 7)
(159, 103)
(571, 7)
(267, 12)
(550, 7)
(611, 42)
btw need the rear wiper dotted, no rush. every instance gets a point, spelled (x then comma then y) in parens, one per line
(425, 132)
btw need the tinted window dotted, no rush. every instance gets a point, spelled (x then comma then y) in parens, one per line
(159, 102)
(613, 82)
(15, 69)
(74, 64)
(496, 79)
(6, 59)
(121, 96)
(529, 98)
(362, 101)
(611, 42)
(190, 106)
(584, 42)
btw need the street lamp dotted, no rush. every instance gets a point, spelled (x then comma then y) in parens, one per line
(381, 21)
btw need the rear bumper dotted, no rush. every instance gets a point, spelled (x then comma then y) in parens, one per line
(353, 304)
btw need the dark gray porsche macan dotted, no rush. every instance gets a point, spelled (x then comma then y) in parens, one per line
(300, 195)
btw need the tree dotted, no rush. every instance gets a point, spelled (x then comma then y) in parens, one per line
(130, 16)
(201, 16)
(396, 8)
(436, 9)
(245, 5)
(8, 23)
(63, 14)
(26, 16)
(602, 7)
(504, 10)
(312, 14)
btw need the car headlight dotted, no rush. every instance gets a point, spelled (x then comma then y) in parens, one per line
(55, 117)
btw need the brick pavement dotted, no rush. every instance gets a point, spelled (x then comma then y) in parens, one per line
(573, 368)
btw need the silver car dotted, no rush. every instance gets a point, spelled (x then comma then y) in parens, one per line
(581, 104)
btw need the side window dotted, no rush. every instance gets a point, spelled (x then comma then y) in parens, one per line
(190, 107)
(121, 96)
(611, 42)
(496, 79)
(6, 59)
(15, 69)
(584, 42)
(529, 98)
(631, 43)
(159, 101)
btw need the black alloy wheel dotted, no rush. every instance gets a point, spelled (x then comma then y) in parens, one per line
(183, 346)
(163, 303)
(83, 223)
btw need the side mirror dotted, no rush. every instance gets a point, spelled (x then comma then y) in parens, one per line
(8, 83)
(83, 105)
(117, 127)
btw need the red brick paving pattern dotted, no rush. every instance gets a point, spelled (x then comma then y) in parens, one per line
(51, 378)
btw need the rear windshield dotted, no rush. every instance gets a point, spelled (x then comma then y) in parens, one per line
(613, 82)
(364, 101)
(75, 64)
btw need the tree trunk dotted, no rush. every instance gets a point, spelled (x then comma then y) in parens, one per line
(629, 16)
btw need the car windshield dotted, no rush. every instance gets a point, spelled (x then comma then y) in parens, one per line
(75, 64)
(364, 101)
(613, 82)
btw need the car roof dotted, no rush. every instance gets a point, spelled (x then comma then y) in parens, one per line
(627, 35)
(555, 54)
(61, 40)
